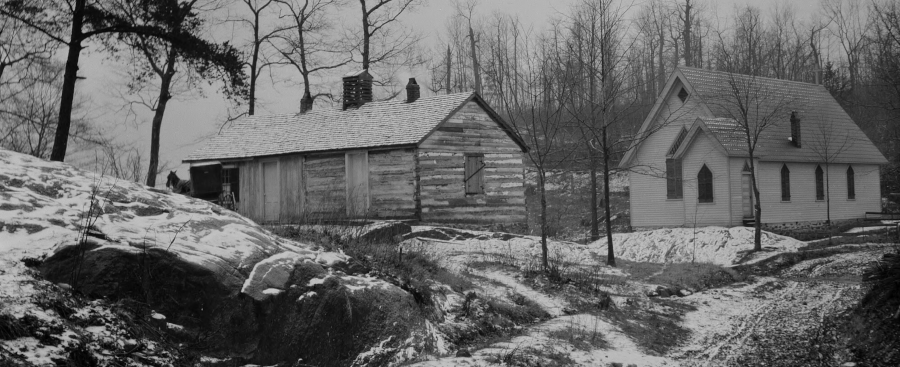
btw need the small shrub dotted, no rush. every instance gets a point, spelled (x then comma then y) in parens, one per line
(521, 311)
(12, 327)
(583, 337)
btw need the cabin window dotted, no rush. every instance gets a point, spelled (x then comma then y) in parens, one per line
(673, 179)
(820, 183)
(785, 183)
(705, 185)
(683, 95)
(231, 182)
(851, 184)
(474, 180)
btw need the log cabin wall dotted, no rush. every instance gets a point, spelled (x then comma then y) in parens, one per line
(392, 184)
(441, 170)
(326, 188)
(291, 177)
(250, 182)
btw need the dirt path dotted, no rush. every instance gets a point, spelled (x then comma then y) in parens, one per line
(775, 321)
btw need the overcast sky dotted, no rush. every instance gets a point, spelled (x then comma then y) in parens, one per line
(189, 119)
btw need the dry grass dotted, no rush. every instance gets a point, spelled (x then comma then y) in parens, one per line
(655, 329)
(695, 276)
(583, 337)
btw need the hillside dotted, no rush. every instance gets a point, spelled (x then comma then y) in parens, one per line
(95, 271)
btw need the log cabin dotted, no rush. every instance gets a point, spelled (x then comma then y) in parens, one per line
(691, 164)
(445, 158)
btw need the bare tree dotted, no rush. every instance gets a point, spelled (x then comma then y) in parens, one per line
(178, 48)
(755, 107)
(383, 42)
(306, 44)
(849, 23)
(829, 142)
(28, 117)
(258, 17)
(531, 92)
(467, 12)
(71, 23)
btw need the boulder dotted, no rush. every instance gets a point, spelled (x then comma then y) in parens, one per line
(210, 271)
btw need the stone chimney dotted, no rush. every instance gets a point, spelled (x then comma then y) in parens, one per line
(357, 89)
(412, 90)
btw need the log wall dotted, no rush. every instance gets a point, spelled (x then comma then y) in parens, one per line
(326, 187)
(441, 169)
(392, 184)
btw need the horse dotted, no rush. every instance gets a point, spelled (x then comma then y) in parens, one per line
(178, 185)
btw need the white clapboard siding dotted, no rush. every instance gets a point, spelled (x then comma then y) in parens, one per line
(804, 206)
(647, 180)
(704, 151)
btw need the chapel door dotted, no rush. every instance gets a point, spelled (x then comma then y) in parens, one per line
(747, 196)
(357, 184)
(271, 191)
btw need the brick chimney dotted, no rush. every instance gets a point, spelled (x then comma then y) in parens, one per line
(412, 90)
(357, 89)
(795, 129)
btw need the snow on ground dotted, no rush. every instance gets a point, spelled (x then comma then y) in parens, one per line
(717, 245)
(44, 204)
(870, 228)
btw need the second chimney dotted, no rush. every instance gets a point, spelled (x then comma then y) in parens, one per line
(795, 129)
(412, 90)
(357, 89)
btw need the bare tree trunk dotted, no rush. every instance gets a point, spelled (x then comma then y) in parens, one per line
(449, 70)
(475, 69)
(366, 35)
(610, 254)
(661, 74)
(542, 177)
(827, 193)
(688, 50)
(164, 97)
(595, 220)
(757, 226)
(253, 64)
(61, 140)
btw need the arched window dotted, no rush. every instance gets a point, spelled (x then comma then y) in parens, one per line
(820, 183)
(705, 185)
(851, 184)
(785, 183)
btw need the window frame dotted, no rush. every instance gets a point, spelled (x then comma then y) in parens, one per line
(851, 183)
(478, 174)
(683, 95)
(705, 187)
(820, 183)
(785, 183)
(674, 179)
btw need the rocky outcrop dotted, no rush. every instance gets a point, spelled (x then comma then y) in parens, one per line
(246, 292)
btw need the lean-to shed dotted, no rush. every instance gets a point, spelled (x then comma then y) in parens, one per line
(446, 158)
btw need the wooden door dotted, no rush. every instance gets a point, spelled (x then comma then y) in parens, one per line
(747, 196)
(357, 183)
(271, 191)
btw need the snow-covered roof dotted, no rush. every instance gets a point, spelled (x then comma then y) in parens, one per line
(824, 123)
(374, 124)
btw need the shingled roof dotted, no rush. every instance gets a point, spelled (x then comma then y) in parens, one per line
(375, 124)
(822, 118)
